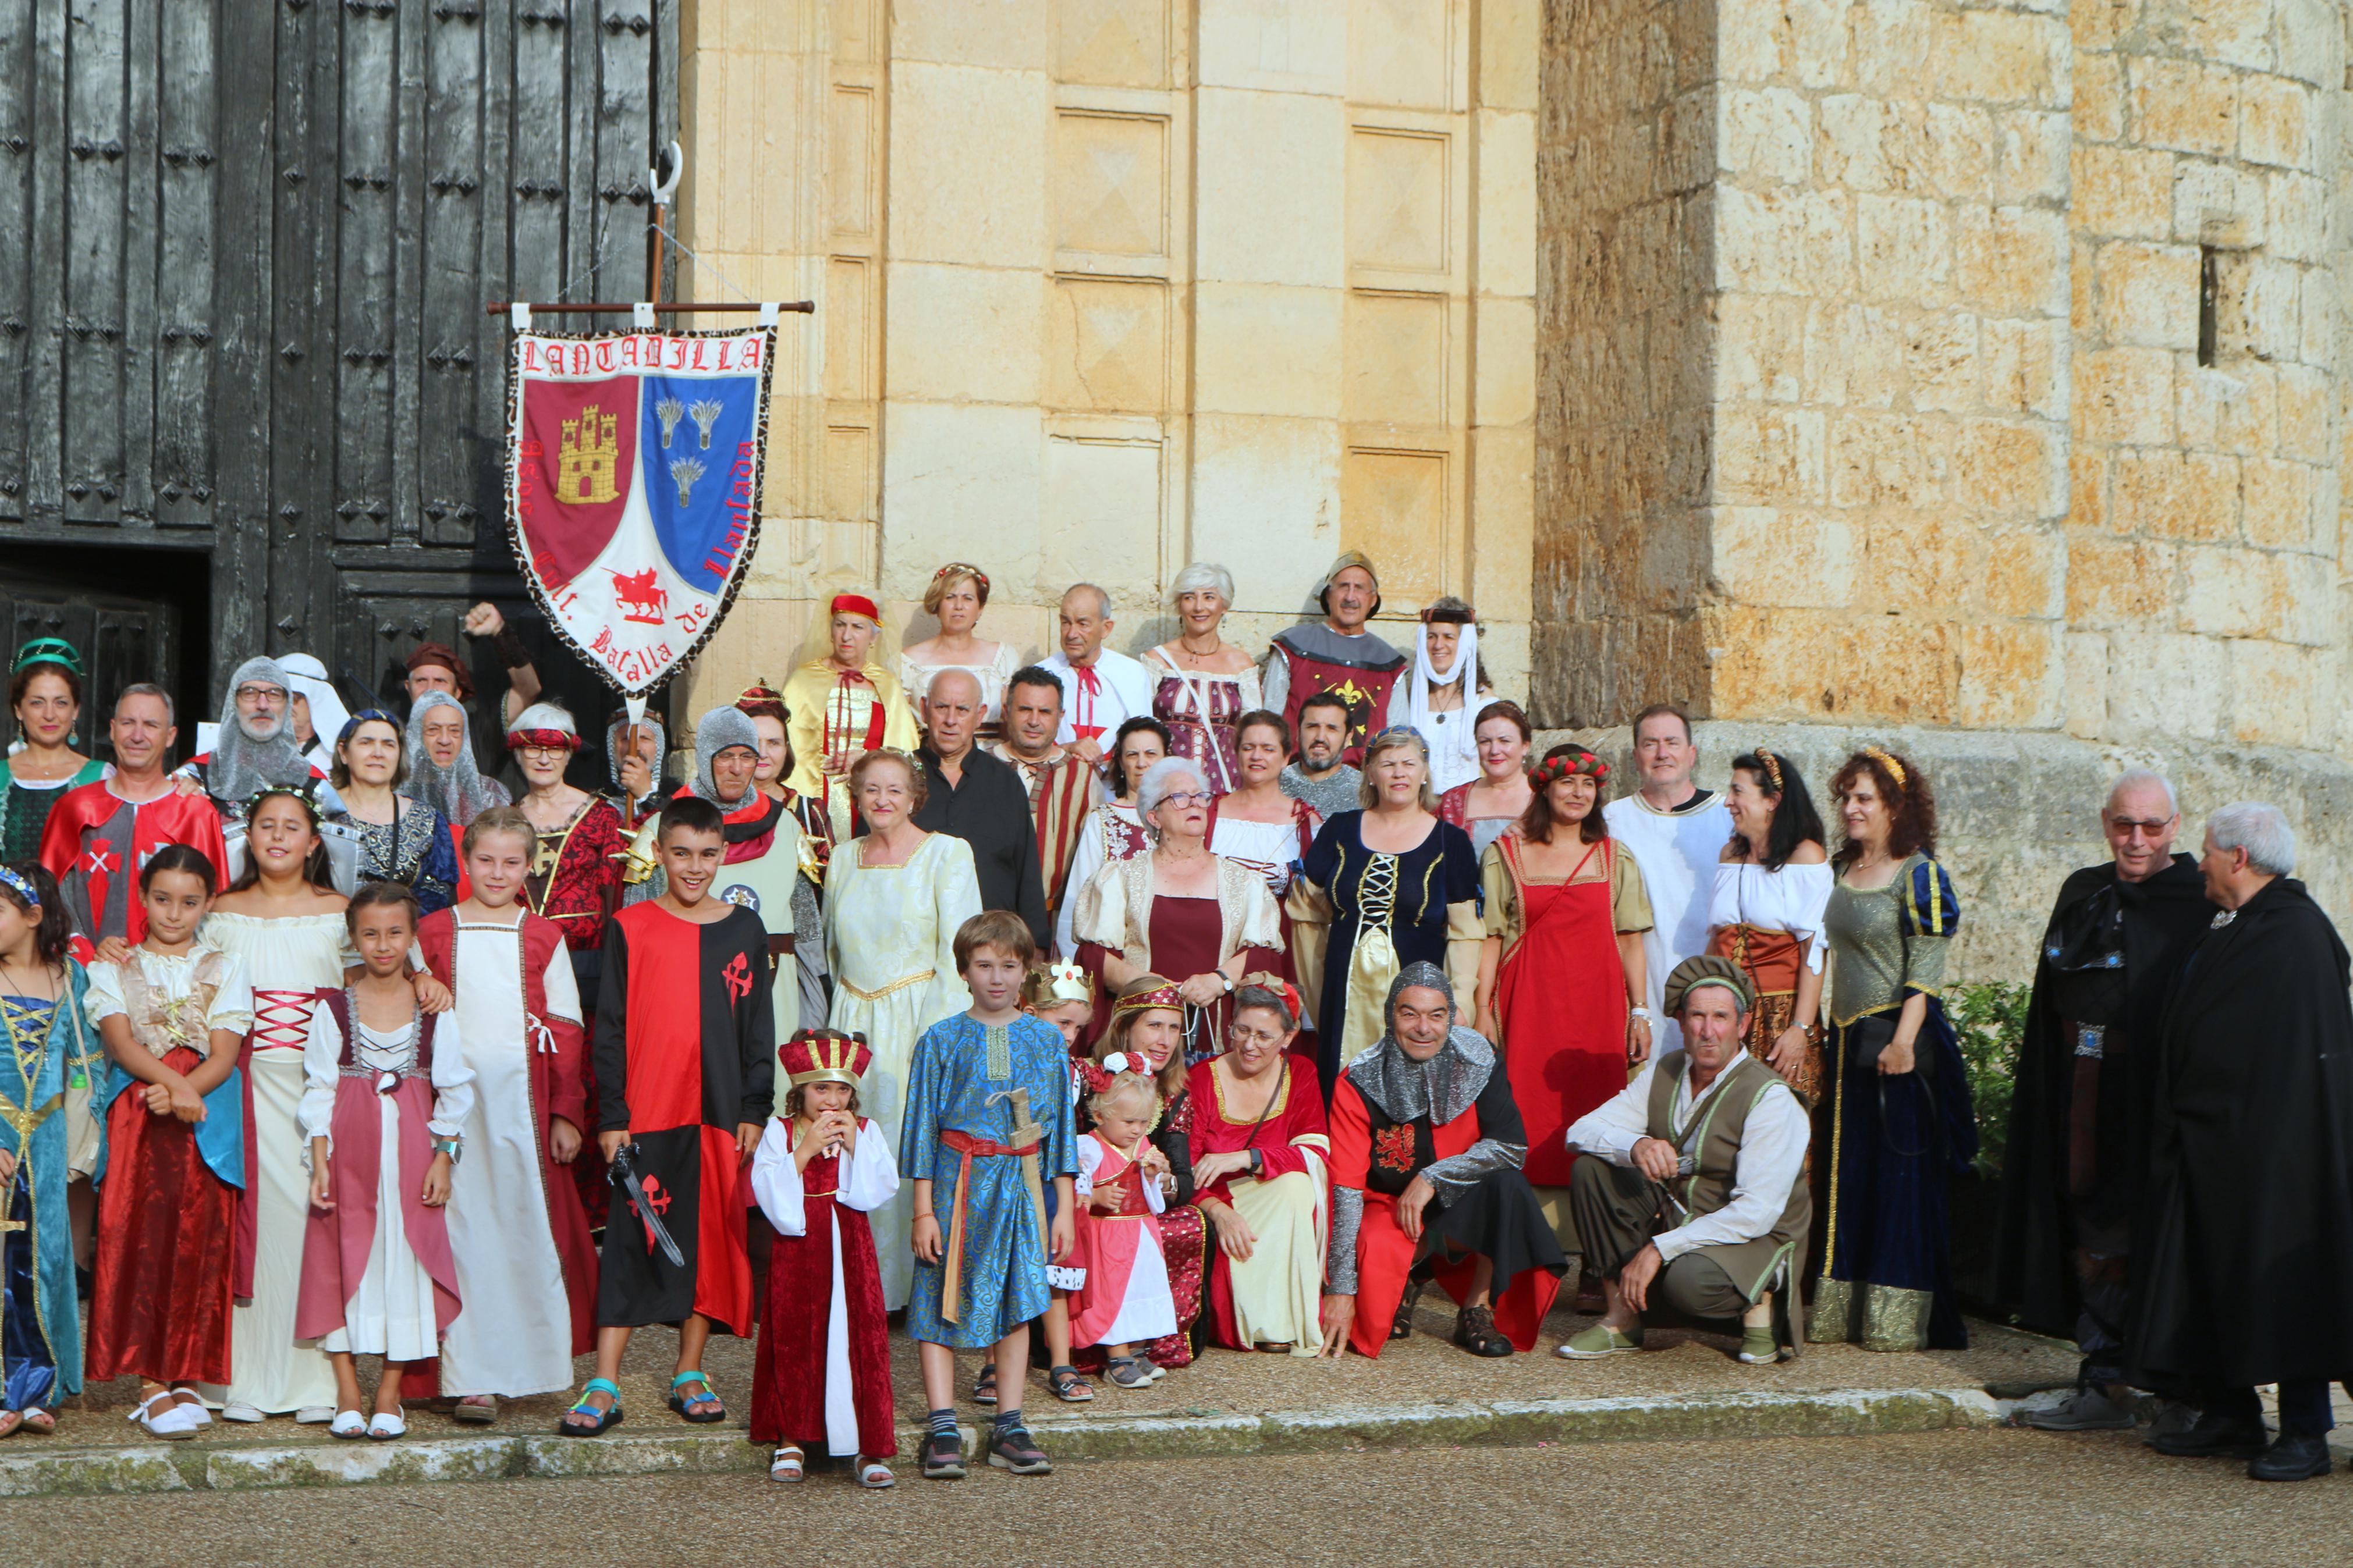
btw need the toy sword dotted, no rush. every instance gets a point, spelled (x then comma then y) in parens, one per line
(625, 1176)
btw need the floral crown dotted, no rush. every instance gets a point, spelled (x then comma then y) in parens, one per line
(962, 569)
(1552, 769)
(307, 792)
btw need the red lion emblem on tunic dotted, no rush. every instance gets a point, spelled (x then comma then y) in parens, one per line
(1393, 1148)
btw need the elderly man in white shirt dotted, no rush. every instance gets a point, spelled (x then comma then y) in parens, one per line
(1696, 1193)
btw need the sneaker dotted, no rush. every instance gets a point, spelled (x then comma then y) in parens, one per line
(2293, 1456)
(2215, 1437)
(1759, 1347)
(311, 1415)
(2085, 1410)
(943, 1457)
(1597, 1342)
(239, 1410)
(1014, 1450)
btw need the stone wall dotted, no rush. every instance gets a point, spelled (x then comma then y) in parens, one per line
(1107, 286)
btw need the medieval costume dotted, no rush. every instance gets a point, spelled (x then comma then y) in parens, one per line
(1274, 1297)
(1126, 1298)
(25, 805)
(49, 1043)
(96, 841)
(1184, 1230)
(1891, 1143)
(378, 1277)
(1768, 921)
(1677, 853)
(1560, 1000)
(415, 849)
(517, 1234)
(163, 1283)
(458, 792)
(843, 711)
(1733, 1225)
(1098, 697)
(987, 808)
(1454, 807)
(684, 1053)
(1120, 911)
(1111, 831)
(1341, 789)
(988, 1171)
(1386, 911)
(916, 680)
(241, 763)
(1450, 1120)
(1199, 709)
(890, 940)
(576, 881)
(1360, 668)
(1448, 731)
(2243, 1251)
(1062, 791)
(306, 677)
(2071, 1168)
(823, 1368)
(287, 961)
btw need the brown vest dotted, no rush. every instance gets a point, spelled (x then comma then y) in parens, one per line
(1713, 1140)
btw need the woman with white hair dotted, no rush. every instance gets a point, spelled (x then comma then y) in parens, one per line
(1179, 909)
(1202, 683)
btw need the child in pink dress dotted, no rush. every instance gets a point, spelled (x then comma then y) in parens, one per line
(1125, 1301)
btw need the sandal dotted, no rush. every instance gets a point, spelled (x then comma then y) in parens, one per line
(191, 1400)
(1401, 1326)
(347, 1424)
(386, 1424)
(1065, 1384)
(11, 1423)
(686, 1406)
(873, 1473)
(1475, 1330)
(38, 1422)
(788, 1465)
(169, 1423)
(1129, 1370)
(605, 1418)
(478, 1409)
(984, 1384)
(1273, 1347)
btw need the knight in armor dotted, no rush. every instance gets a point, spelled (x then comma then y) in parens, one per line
(1337, 655)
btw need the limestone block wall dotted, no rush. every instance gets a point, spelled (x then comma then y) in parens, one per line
(1107, 286)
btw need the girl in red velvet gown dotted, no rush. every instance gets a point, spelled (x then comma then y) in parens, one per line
(823, 1373)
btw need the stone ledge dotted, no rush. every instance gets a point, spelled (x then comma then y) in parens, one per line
(206, 1465)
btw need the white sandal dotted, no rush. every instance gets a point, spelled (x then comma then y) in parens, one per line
(170, 1424)
(874, 1475)
(384, 1426)
(193, 1404)
(348, 1424)
(787, 1465)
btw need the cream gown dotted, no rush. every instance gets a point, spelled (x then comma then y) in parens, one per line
(890, 936)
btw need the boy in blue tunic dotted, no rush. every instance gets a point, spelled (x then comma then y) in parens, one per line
(987, 1127)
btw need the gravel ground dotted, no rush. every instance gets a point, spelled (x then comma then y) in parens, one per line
(1979, 1497)
(1424, 1368)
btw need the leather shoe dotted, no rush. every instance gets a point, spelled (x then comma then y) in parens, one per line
(2293, 1456)
(2213, 1437)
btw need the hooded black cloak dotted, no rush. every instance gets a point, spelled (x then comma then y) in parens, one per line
(2242, 1257)
(2104, 963)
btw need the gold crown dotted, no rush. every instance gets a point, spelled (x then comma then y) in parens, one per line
(588, 462)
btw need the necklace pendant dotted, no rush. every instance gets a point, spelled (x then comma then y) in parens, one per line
(2222, 920)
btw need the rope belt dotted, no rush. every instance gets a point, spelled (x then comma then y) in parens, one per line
(899, 984)
(971, 1149)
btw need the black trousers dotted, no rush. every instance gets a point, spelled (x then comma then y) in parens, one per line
(2302, 1405)
(1618, 1211)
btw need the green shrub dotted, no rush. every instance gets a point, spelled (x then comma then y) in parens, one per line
(1989, 1018)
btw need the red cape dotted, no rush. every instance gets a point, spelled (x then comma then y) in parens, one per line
(77, 854)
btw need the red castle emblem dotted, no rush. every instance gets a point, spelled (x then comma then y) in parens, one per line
(641, 598)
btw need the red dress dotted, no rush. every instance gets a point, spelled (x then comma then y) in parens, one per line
(1293, 1125)
(788, 1388)
(1561, 1007)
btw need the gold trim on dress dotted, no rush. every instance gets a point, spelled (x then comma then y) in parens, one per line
(899, 984)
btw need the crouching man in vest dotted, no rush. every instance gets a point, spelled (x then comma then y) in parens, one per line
(1695, 1198)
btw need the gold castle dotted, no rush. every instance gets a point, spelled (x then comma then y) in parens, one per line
(587, 460)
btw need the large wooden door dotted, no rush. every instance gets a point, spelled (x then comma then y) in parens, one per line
(245, 247)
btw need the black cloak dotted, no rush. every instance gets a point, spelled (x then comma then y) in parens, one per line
(2243, 1258)
(2147, 923)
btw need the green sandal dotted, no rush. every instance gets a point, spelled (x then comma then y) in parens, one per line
(606, 1419)
(686, 1406)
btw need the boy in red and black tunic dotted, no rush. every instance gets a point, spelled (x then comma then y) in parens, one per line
(684, 1046)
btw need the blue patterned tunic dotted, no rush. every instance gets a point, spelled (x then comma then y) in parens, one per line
(40, 1324)
(959, 1064)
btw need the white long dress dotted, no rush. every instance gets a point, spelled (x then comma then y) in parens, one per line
(869, 1179)
(1111, 831)
(391, 1313)
(890, 940)
(1677, 854)
(918, 677)
(287, 961)
(499, 1235)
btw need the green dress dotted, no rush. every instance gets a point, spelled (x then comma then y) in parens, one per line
(25, 808)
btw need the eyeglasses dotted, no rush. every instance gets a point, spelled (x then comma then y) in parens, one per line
(243, 692)
(1187, 798)
(2126, 827)
(543, 754)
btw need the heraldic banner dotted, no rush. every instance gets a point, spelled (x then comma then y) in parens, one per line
(634, 466)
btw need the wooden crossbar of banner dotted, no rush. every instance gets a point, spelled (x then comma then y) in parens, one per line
(610, 308)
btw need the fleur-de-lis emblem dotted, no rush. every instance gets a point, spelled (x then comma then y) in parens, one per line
(706, 412)
(685, 471)
(669, 411)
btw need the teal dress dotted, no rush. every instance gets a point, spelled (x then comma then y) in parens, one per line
(40, 1322)
(959, 1066)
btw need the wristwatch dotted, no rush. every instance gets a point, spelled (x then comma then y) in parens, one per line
(448, 1146)
(1258, 1160)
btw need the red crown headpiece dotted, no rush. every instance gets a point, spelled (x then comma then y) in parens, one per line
(855, 605)
(823, 1056)
(1164, 995)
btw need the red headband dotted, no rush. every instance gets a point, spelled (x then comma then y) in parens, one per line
(1552, 769)
(1165, 995)
(855, 605)
(563, 740)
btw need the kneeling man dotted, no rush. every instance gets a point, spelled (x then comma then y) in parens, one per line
(1427, 1145)
(1695, 1196)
